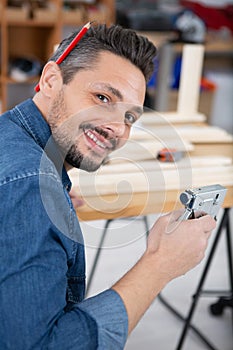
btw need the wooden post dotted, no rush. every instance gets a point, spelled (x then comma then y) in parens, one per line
(191, 70)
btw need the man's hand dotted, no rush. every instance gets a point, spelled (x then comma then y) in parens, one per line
(76, 200)
(174, 247)
(179, 245)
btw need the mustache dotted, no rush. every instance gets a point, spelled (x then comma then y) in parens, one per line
(100, 131)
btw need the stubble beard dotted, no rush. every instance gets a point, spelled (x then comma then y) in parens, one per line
(68, 145)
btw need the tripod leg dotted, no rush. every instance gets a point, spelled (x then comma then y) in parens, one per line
(202, 280)
(97, 255)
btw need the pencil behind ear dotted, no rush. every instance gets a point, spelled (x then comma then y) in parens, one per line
(51, 79)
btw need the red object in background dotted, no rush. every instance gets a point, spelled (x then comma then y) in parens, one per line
(207, 84)
(169, 155)
(214, 17)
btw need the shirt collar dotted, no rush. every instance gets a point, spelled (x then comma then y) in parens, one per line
(29, 116)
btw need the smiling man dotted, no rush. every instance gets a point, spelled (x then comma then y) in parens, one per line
(101, 105)
(83, 111)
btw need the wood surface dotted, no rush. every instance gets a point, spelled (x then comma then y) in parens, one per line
(134, 182)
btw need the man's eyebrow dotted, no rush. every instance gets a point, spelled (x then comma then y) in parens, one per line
(114, 91)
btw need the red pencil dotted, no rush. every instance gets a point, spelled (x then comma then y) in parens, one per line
(69, 48)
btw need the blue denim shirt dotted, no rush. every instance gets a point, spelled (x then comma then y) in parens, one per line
(42, 258)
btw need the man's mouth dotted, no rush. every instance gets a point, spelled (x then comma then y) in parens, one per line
(98, 140)
(91, 136)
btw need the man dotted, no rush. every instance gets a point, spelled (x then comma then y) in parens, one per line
(75, 121)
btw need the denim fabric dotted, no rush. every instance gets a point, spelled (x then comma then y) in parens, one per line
(42, 258)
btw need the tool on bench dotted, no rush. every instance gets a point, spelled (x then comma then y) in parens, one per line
(202, 200)
(169, 155)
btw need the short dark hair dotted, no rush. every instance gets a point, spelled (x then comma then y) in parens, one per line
(116, 39)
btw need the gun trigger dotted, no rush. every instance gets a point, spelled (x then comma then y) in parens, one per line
(192, 215)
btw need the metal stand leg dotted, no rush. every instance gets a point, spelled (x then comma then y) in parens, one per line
(108, 222)
(217, 308)
(97, 256)
(224, 224)
(230, 263)
(146, 225)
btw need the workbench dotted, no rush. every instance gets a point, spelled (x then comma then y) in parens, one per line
(134, 182)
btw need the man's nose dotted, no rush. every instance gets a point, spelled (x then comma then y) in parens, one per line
(114, 120)
(115, 129)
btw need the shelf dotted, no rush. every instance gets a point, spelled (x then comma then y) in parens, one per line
(73, 17)
(40, 15)
(37, 42)
(99, 14)
(30, 23)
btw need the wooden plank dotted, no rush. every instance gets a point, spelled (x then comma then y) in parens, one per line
(110, 207)
(155, 165)
(135, 150)
(89, 184)
(211, 148)
(156, 118)
(191, 70)
(185, 133)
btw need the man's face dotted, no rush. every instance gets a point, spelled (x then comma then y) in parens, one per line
(93, 114)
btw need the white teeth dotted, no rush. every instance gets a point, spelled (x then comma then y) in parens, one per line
(99, 143)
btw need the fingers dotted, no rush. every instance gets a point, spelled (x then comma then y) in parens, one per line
(76, 200)
(203, 224)
(180, 244)
(199, 214)
(175, 215)
(208, 223)
(206, 220)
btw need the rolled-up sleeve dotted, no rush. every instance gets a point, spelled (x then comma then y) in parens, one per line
(99, 322)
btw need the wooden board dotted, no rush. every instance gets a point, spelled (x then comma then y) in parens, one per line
(142, 180)
(182, 133)
(110, 207)
(191, 70)
(156, 118)
(114, 167)
(135, 150)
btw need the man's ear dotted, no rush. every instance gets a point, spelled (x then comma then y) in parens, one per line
(51, 79)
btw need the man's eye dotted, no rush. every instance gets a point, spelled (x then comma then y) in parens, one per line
(130, 118)
(103, 98)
